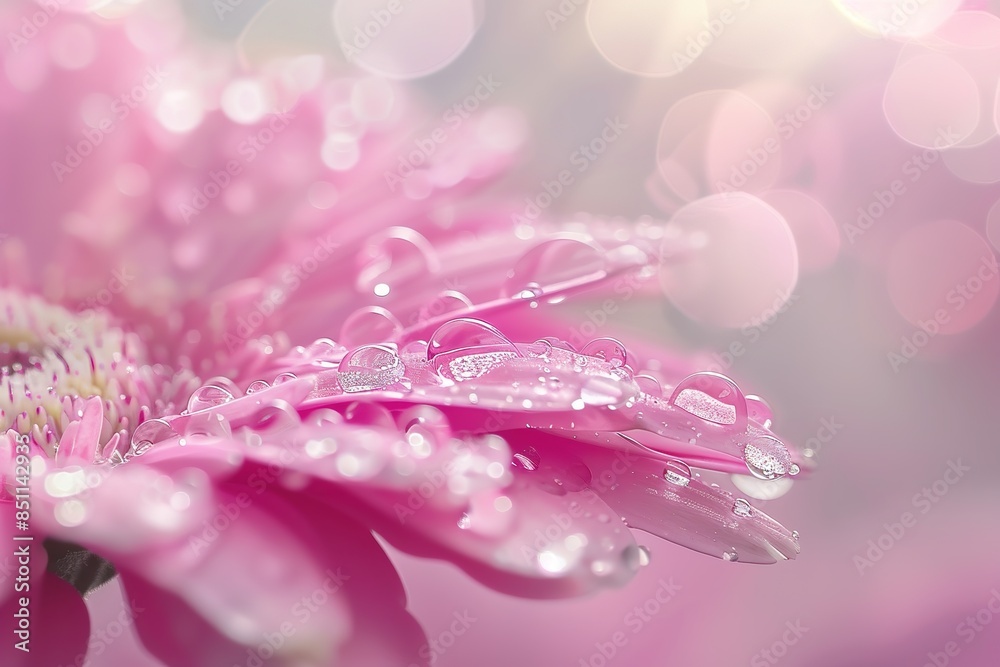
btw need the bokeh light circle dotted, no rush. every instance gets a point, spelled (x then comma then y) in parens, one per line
(403, 39)
(899, 19)
(993, 225)
(744, 266)
(817, 236)
(717, 141)
(649, 37)
(943, 275)
(931, 101)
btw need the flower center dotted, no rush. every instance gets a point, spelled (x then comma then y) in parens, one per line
(53, 360)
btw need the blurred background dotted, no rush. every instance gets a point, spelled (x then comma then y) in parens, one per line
(868, 129)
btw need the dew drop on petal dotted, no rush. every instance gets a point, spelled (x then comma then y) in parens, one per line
(208, 396)
(370, 367)
(607, 349)
(730, 556)
(677, 472)
(152, 431)
(257, 385)
(767, 457)
(742, 508)
(466, 348)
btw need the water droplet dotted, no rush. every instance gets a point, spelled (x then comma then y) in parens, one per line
(540, 348)
(464, 521)
(795, 535)
(530, 291)
(465, 348)
(730, 556)
(677, 472)
(610, 350)
(208, 396)
(527, 458)
(370, 367)
(257, 385)
(554, 265)
(794, 470)
(282, 378)
(767, 457)
(152, 431)
(742, 508)
(701, 395)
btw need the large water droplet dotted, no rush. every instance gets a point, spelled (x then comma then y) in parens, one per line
(767, 457)
(608, 349)
(369, 367)
(730, 556)
(712, 397)
(151, 431)
(466, 348)
(208, 396)
(554, 265)
(677, 472)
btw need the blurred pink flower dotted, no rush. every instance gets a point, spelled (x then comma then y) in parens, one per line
(152, 393)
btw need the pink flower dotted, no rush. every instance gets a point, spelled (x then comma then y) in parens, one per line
(160, 419)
